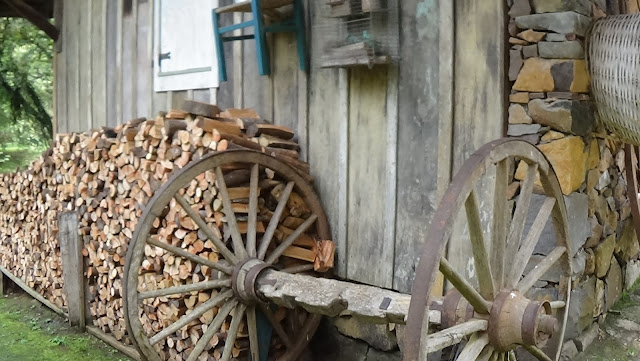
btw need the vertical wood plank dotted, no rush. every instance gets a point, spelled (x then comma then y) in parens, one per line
(72, 267)
(84, 56)
(72, 33)
(479, 100)
(370, 259)
(59, 74)
(111, 58)
(177, 97)
(224, 96)
(159, 99)
(99, 63)
(285, 80)
(417, 134)
(303, 93)
(202, 95)
(238, 53)
(144, 72)
(257, 90)
(129, 58)
(445, 96)
(391, 170)
(119, 60)
(325, 122)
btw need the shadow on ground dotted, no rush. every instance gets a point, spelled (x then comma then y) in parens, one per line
(32, 332)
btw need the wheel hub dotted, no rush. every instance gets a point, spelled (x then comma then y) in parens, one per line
(244, 279)
(515, 320)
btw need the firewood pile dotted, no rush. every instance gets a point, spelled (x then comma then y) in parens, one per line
(108, 177)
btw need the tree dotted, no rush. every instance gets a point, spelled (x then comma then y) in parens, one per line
(26, 78)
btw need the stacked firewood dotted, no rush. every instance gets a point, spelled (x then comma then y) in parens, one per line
(30, 202)
(109, 176)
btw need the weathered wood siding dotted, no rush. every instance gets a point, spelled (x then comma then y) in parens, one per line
(382, 143)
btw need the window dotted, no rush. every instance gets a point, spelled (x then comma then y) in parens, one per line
(184, 51)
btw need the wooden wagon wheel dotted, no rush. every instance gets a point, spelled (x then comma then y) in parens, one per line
(231, 273)
(492, 312)
(633, 189)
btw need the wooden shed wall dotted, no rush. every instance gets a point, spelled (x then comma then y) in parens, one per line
(382, 143)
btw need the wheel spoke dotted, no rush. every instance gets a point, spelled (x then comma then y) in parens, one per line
(540, 269)
(298, 269)
(238, 245)
(537, 353)
(518, 220)
(474, 347)
(275, 220)
(276, 326)
(512, 356)
(500, 222)
(480, 257)
(486, 353)
(252, 325)
(190, 256)
(200, 286)
(232, 333)
(253, 211)
(292, 237)
(211, 235)
(529, 244)
(479, 304)
(186, 319)
(557, 304)
(452, 335)
(212, 329)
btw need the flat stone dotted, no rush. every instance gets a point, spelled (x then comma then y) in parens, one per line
(530, 51)
(522, 98)
(535, 76)
(577, 217)
(559, 22)
(555, 37)
(606, 160)
(627, 247)
(562, 95)
(561, 50)
(631, 273)
(567, 116)
(581, 80)
(594, 155)
(517, 41)
(518, 115)
(596, 232)
(592, 178)
(512, 28)
(603, 253)
(516, 130)
(552, 135)
(589, 262)
(581, 308)
(568, 158)
(537, 95)
(532, 36)
(599, 306)
(554, 6)
(620, 163)
(587, 337)
(515, 64)
(603, 181)
(519, 8)
(376, 335)
(613, 284)
(569, 351)
(578, 263)
(547, 241)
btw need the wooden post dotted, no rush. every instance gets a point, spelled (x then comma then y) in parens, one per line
(1, 284)
(72, 267)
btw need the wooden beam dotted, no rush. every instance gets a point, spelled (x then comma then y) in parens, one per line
(111, 341)
(72, 267)
(35, 17)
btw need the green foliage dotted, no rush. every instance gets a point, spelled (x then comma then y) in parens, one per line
(26, 82)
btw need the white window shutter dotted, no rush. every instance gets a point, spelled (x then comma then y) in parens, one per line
(184, 52)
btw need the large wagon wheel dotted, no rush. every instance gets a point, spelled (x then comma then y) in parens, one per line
(237, 317)
(492, 316)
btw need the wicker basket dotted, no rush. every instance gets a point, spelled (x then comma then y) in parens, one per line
(614, 65)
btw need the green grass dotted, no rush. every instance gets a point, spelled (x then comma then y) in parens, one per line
(30, 332)
(13, 157)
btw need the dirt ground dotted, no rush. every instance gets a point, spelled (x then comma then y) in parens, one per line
(30, 331)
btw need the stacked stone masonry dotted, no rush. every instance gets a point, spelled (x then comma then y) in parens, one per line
(550, 106)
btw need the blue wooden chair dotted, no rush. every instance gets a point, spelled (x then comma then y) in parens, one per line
(259, 8)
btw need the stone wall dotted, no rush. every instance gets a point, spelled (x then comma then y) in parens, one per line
(550, 106)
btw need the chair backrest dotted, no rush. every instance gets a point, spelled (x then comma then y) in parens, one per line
(613, 56)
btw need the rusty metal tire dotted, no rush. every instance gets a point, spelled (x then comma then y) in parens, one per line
(161, 200)
(480, 317)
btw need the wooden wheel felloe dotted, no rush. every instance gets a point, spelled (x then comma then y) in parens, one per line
(210, 300)
(633, 188)
(493, 311)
